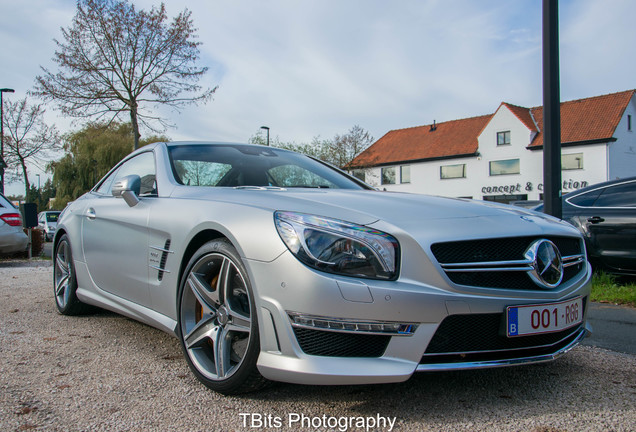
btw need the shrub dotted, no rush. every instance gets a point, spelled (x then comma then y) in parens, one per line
(37, 241)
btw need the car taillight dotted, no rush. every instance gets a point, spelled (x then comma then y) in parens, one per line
(12, 219)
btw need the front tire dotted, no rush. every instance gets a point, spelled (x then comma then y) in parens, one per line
(217, 322)
(64, 280)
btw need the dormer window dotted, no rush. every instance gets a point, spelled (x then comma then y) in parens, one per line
(503, 138)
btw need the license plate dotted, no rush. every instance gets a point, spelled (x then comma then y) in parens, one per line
(544, 318)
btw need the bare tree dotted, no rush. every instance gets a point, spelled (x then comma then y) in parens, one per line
(343, 149)
(115, 59)
(28, 138)
(339, 151)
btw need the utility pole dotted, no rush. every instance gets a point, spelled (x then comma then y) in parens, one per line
(551, 111)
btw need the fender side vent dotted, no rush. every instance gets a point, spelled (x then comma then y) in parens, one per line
(164, 258)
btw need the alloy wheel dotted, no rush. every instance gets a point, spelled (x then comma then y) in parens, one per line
(216, 321)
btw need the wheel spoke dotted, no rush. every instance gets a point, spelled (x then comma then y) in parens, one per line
(239, 318)
(204, 330)
(222, 350)
(60, 260)
(61, 285)
(239, 323)
(209, 299)
(223, 282)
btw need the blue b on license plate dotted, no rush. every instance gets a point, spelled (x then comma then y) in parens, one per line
(543, 318)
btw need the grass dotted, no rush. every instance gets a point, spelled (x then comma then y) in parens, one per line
(607, 288)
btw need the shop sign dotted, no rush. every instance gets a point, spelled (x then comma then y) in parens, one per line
(568, 185)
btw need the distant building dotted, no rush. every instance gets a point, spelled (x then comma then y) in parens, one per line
(499, 157)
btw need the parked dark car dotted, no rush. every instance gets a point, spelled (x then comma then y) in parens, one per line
(606, 215)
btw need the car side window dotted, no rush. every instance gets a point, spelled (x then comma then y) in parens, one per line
(142, 165)
(623, 195)
(585, 199)
(104, 188)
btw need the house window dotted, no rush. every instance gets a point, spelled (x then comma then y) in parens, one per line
(503, 167)
(388, 175)
(572, 161)
(503, 138)
(452, 171)
(405, 174)
(629, 122)
(359, 174)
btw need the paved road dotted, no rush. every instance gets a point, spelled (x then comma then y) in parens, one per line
(613, 327)
(48, 249)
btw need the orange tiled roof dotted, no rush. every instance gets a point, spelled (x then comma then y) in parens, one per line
(594, 118)
(523, 114)
(452, 138)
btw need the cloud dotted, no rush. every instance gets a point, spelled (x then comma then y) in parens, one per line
(597, 40)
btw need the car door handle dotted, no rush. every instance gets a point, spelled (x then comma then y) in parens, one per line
(90, 213)
(595, 219)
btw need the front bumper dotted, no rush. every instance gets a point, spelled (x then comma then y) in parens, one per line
(286, 356)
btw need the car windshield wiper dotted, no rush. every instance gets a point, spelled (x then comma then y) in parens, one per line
(310, 187)
(259, 187)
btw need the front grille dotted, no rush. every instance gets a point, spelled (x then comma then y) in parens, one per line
(501, 250)
(479, 333)
(334, 344)
(506, 280)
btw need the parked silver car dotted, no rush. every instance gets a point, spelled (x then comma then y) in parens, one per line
(47, 221)
(270, 265)
(12, 236)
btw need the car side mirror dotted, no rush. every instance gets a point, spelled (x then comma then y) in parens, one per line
(128, 188)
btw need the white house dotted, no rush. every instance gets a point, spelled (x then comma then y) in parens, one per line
(499, 157)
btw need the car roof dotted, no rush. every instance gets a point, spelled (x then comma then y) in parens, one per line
(599, 185)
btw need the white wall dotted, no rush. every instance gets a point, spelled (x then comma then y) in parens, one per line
(622, 153)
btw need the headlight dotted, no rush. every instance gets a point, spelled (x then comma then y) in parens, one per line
(339, 247)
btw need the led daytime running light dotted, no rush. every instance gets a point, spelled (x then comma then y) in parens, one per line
(349, 326)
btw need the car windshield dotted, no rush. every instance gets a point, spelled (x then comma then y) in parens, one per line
(52, 217)
(235, 165)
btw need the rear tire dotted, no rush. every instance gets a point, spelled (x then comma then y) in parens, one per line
(217, 322)
(65, 282)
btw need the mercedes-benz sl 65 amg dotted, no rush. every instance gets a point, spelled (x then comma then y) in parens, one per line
(270, 265)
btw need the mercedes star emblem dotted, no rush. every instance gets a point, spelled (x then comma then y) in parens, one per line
(546, 262)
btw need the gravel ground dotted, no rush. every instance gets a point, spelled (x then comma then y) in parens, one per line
(106, 372)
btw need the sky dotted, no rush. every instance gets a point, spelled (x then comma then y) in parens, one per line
(316, 68)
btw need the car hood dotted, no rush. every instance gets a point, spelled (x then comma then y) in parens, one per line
(409, 212)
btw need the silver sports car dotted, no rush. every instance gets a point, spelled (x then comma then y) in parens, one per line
(269, 265)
